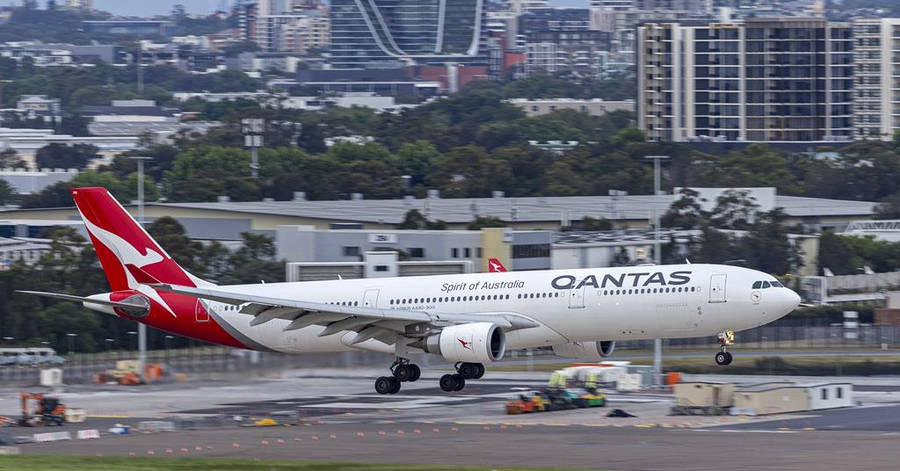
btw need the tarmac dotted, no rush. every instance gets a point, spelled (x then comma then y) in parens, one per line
(334, 415)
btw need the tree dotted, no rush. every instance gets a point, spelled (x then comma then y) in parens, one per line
(255, 261)
(7, 193)
(62, 156)
(485, 221)
(735, 209)
(837, 255)
(889, 208)
(312, 139)
(10, 159)
(414, 220)
(686, 212)
(171, 236)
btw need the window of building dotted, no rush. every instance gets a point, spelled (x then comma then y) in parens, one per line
(417, 252)
(381, 268)
(454, 253)
(531, 251)
(351, 251)
(839, 392)
(467, 253)
(824, 394)
(478, 252)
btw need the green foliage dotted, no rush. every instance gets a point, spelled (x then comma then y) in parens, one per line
(63, 156)
(416, 221)
(51, 26)
(882, 256)
(481, 222)
(836, 254)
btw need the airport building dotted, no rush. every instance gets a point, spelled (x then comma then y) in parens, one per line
(785, 79)
(526, 213)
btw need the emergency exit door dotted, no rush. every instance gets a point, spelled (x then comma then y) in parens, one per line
(717, 288)
(370, 299)
(200, 312)
(576, 298)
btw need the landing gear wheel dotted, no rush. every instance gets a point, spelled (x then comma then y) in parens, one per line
(480, 372)
(403, 373)
(385, 384)
(395, 386)
(721, 359)
(448, 383)
(416, 372)
(460, 383)
(728, 358)
(467, 370)
(725, 339)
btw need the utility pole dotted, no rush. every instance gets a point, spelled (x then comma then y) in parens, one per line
(142, 328)
(657, 258)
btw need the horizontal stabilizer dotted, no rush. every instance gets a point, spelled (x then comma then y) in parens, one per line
(81, 299)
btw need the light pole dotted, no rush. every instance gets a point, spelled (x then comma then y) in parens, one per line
(252, 129)
(133, 334)
(142, 328)
(657, 258)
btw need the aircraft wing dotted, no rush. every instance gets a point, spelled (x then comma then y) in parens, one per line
(368, 322)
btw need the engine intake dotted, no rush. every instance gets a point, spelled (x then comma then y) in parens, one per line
(479, 342)
(594, 350)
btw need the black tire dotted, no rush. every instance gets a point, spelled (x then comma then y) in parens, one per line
(722, 358)
(448, 383)
(402, 373)
(480, 372)
(460, 383)
(467, 370)
(416, 373)
(728, 358)
(384, 385)
(395, 386)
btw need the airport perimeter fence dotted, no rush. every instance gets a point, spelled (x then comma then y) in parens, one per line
(212, 362)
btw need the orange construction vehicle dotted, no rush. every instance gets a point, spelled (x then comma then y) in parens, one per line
(46, 411)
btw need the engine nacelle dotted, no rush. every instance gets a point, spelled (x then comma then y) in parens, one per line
(585, 350)
(478, 342)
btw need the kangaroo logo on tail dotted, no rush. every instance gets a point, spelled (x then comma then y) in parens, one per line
(494, 266)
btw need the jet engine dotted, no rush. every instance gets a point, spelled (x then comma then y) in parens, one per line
(478, 342)
(593, 350)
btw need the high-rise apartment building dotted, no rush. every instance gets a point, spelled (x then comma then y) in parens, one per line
(876, 109)
(399, 31)
(765, 79)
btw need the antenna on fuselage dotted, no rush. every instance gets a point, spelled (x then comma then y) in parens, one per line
(686, 260)
(340, 277)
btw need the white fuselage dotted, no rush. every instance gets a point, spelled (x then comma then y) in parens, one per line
(625, 303)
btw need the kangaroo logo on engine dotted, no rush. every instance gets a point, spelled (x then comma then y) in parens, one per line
(624, 280)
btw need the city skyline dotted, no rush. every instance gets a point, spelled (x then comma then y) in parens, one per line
(141, 8)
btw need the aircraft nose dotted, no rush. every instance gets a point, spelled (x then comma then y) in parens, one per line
(791, 300)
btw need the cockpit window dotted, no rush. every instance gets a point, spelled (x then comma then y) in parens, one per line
(776, 284)
(757, 285)
(765, 284)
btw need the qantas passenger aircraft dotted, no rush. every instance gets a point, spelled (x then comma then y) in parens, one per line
(470, 319)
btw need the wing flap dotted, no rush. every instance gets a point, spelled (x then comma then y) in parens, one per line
(260, 305)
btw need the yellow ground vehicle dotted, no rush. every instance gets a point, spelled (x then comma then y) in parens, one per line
(525, 405)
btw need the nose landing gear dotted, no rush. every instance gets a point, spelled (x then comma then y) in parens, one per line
(725, 339)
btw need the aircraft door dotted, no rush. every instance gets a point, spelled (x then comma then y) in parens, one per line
(200, 312)
(370, 299)
(717, 288)
(576, 298)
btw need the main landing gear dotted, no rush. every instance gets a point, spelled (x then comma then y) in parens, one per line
(401, 371)
(725, 339)
(464, 371)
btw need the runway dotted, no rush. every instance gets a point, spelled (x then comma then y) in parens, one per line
(335, 416)
(523, 445)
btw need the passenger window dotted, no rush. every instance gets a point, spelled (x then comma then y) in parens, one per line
(765, 284)
(757, 285)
